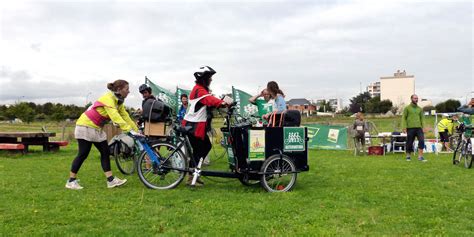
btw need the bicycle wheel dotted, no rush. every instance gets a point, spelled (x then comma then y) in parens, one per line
(279, 174)
(468, 156)
(166, 175)
(457, 154)
(245, 180)
(125, 162)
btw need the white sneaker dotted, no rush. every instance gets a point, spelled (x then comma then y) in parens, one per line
(116, 182)
(74, 185)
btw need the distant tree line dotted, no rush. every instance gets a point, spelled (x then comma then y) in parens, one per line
(29, 111)
(448, 106)
(365, 103)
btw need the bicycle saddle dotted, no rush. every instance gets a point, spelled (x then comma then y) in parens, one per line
(184, 130)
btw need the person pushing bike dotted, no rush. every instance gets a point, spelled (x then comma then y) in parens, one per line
(89, 130)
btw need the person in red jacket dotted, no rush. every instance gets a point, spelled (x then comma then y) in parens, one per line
(198, 115)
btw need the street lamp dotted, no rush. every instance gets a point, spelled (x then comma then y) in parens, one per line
(472, 96)
(20, 98)
(87, 97)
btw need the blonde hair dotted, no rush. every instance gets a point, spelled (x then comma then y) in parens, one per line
(360, 116)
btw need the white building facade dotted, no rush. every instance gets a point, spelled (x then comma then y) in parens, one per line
(397, 88)
(374, 89)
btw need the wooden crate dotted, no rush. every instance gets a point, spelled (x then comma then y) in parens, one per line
(155, 129)
(111, 131)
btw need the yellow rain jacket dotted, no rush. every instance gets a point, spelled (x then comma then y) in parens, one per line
(112, 110)
(444, 124)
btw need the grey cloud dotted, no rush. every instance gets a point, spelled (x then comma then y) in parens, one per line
(16, 76)
(327, 49)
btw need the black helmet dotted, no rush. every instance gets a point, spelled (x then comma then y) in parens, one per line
(204, 73)
(144, 87)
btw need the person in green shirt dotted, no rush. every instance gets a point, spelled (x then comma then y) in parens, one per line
(412, 124)
(264, 105)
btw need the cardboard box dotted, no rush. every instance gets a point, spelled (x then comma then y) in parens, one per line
(155, 129)
(111, 131)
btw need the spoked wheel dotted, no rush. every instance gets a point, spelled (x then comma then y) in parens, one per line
(468, 156)
(279, 174)
(457, 154)
(166, 175)
(248, 180)
(125, 162)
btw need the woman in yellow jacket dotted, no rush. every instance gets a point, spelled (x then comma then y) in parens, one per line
(445, 130)
(89, 131)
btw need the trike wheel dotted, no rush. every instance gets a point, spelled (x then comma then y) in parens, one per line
(468, 156)
(457, 154)
(125, 163)
(168, 173)
(278, 174)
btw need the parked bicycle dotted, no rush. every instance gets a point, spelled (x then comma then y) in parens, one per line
(464, 141)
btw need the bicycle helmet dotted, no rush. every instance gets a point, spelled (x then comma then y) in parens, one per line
(144, 87)
(204, 73)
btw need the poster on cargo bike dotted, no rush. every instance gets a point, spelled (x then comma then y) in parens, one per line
(256, 145)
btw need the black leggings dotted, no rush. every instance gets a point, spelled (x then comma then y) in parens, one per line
(200, 149)
(84, 149)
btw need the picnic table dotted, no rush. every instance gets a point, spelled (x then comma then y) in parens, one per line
(25, 139)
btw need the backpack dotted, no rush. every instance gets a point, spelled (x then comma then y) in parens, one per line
(155, 111)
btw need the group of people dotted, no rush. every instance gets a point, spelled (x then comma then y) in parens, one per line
(414, 126)
(193, 112)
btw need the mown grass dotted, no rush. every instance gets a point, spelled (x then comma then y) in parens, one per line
(340, 195)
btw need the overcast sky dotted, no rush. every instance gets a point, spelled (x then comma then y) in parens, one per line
(67, 51)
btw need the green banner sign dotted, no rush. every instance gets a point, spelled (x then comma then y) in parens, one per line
(293, 139)
(327, 137)
(264, 107)
(246, 109)
(163, 94)
(228, 147)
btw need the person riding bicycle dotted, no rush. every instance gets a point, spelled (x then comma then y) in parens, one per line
(200, 103)
(89, 130)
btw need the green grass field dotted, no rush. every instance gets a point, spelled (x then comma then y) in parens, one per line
(340, 195)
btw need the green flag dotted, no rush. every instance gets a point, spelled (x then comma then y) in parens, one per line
(264, 107)
(163, 94)
(179, 92)
(246, 109)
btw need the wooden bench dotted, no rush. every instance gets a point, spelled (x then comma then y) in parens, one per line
(54, 145)
(14, 147)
